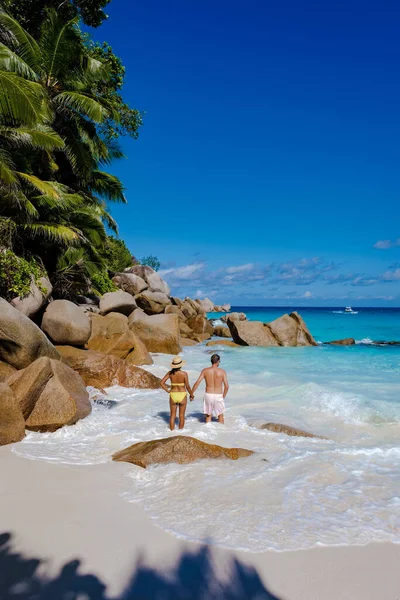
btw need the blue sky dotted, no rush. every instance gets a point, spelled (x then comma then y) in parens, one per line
(267, 169)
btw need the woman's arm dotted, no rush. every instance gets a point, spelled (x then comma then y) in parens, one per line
(189, 389)
(200, 379)
(163, 381)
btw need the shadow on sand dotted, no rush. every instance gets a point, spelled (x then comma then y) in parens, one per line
(192, 579)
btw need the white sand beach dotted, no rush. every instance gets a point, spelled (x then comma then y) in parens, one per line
(58, 513)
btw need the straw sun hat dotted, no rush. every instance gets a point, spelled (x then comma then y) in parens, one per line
(177, 362)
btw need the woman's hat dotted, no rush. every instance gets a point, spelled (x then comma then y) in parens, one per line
(177, 362)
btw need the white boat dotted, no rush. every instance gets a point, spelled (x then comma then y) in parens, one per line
(348, 309)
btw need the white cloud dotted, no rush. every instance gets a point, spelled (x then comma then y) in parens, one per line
(386, 244)
(391, 275)
(182, 273)
(307, 295)
(240, 269)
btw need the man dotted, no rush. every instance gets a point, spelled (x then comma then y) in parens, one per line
(214, 397)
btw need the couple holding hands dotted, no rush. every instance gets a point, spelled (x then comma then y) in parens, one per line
(216, 390)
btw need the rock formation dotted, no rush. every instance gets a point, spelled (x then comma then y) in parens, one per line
(21, 341)
(130, 283)
(50, 395)
(111, 335)
(180, 449)
(5, 371)
(12, 422)
(153, 280)
(65, 323)
(159, 333)
(288, 330)
(153, 303)
(37, 297)
(344, 342)
(221, 331)
(292, 431)
(104, 370)
(120, 302)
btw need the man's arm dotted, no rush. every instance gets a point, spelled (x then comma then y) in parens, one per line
(163, 381)
(226, 385)
(200, 379)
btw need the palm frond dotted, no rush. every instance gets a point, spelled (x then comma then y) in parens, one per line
(10, 61)
(108, 186)
(41, 137)
(55, 232)
(44, 187)
(21, 101)
(58, 40)
(7, 168)
(82, 103)
(27, 48)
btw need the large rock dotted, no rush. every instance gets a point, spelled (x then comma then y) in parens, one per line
(21, 341)
(200, 324)
(50, 395)
(228, 343)
(66, 323)
(198, 308)
(111, 335)
(188, 342)
(286, 429)
(139, 355)
(291, 330)
(180, 449)
(184, 329)
(188, 309)
(120, 302)
(103, 370)
(176, 301)
(251, 333)
(171, 309)
(159, 333)
(207, 305)
(288, 330)
(344, 342)
(12, 422)
(234, 316)
(153, 303)
(155, 282)
(221, 331)
(31, 303)
(5, 371)
(129, 282)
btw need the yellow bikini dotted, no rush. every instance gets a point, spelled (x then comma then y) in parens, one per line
(177, 397)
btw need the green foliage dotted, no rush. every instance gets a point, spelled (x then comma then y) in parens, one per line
(31, 13)
(129, 119)
(101, 283)
(16, 275)
(151, 261)
(61, 110)
(117, 256)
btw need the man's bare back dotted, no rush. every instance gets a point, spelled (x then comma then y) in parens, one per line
(214, 377)
(216, 389)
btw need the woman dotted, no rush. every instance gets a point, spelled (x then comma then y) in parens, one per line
(177, 391)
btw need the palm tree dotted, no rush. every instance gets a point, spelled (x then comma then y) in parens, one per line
(51, 160)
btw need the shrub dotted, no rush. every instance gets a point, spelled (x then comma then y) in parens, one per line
(101, 283)
(16, 274)
(117, 255)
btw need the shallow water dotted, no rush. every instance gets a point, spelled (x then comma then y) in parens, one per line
(293, 492)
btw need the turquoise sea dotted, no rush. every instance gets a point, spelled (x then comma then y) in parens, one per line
(293, 492)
